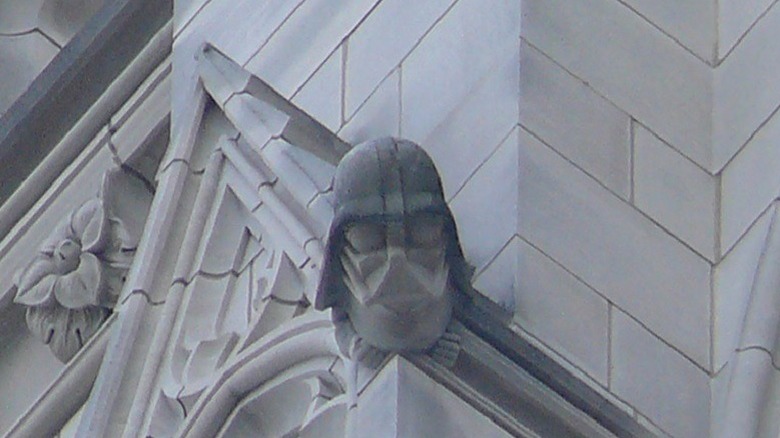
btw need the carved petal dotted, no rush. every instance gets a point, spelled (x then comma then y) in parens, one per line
(83, 215)
(36, 294)
(126, 201)
(82, 287)
(35, 271)
(95, 232)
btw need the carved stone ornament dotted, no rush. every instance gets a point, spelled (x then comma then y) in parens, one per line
(393, 264)
(71, 285)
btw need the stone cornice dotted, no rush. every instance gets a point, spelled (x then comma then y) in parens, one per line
(491, 325)
(69, 86)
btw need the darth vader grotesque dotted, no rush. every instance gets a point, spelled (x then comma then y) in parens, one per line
(393, 266)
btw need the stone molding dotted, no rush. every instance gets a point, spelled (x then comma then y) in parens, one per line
(63, 187)
(76, 94)
(251, 247)
(225, 80)
(67, 394)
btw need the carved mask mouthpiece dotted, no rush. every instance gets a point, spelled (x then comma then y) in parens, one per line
(398, 278)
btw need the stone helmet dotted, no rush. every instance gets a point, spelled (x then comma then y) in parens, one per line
(386, 180)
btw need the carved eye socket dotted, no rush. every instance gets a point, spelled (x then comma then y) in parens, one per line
(426, 232)
(366, 237)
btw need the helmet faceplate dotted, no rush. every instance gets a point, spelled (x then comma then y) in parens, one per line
(386, 180)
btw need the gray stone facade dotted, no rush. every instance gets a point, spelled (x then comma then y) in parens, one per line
(609, 165)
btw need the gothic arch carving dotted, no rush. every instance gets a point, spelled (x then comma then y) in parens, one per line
(295, 368)
(248, 266)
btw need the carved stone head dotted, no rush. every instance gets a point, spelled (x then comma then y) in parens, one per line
(393, 262)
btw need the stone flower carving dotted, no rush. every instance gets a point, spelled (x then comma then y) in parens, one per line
(73, 282)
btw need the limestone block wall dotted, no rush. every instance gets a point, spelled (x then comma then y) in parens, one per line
(608, 161)
(651, 160)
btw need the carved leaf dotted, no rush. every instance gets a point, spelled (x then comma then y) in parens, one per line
(208, 356)
(40, 266)
(80, 218)
(65, 330)
(126, 201)
(94, 235)
(117, 255)
(286, 285)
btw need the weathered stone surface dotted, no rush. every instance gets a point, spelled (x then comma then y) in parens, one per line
(380, 114)
(625, 59)
(483, 235)
(184, 11)
(498, 280)
(391, 405)
(746, 92)
(733, 283)
(672, 190)
(566, 314)
(62, 19)
(749, 183)
(761, 329)
(692, 23)
(238, 29)
(220, 23)
(16, 17)
(735, 17)
(304, 41)
(321, 95)
(672, 391)
(453, 58)
(614, 249)
(750, 388)
(381, 41)
(569, 116)
(489, 112)
(144, 122)
(23, 57)
(650, 426)
(23, 359)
